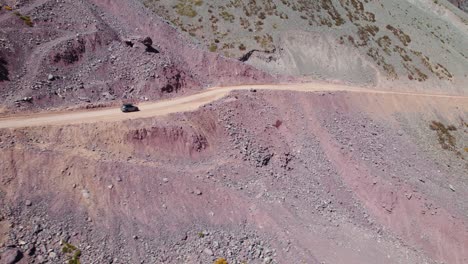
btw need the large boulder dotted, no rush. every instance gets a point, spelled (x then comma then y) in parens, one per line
(11, 255)
(148, 42)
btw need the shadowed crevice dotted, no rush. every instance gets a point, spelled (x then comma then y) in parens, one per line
(247, 56)
(3, 70)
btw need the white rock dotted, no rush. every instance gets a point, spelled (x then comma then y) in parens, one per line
(208, 251)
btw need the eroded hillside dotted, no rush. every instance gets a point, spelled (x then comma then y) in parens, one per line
(369, 42)
(69, 53)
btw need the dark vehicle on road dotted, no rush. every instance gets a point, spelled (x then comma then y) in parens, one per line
(127, 108)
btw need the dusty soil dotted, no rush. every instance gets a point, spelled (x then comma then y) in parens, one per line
(258, 176)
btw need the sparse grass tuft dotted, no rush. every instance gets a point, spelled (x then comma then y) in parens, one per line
(72, 252)
(68, 248)
(403, 53)
(27, 19)
(380, 60)
(405, 39)
(446, 139)
(185, 7)
(438, 69)
(265, 41)
(221, 261)
(213, 47)
(451, 128)
(227, 16)
(385, 42)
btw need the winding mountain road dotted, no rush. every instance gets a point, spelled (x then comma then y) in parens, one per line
(181, 104)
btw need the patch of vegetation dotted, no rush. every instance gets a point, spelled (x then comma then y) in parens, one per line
(446, 139)
(366, 33)
(227, 16)
(414, 73)
(258, 26)
(442, 72)
(185, 7)
(385, 42)
(68, 248)
(422, 76)
(380, 60)
(405, 39)
(72, 252)
(265, 41)
(332, 12)
(27, 19)
(8, 8)
(402, 52)
(242, 47)
(221, 261)
(244, 23)
(439, 70)
(213, 47)
(355, 11)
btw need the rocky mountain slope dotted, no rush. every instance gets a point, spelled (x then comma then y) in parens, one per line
(252, 178)
(259, 176)
(415, 44)
(62, 53)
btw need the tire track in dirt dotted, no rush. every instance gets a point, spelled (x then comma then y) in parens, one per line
(184, 104)
(41, 52)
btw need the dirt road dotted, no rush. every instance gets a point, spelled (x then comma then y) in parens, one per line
(181, 104)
